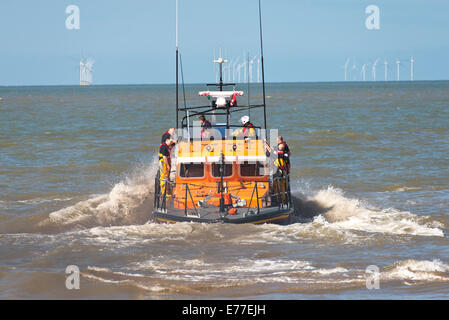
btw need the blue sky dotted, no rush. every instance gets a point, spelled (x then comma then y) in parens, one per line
(133, 41)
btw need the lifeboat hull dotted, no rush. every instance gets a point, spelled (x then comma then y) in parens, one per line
(266, 215)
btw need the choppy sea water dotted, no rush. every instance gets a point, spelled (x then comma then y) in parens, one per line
(370, 179)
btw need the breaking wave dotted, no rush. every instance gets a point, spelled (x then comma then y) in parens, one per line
(128, 202)
(417, 270)
(330, 209)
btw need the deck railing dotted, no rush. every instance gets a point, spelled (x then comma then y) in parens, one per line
(278, 195)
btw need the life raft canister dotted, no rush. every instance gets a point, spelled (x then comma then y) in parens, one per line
(215, 201)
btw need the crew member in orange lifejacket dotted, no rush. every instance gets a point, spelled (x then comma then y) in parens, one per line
(281, 177)
(165, 162)
(248, 129)
(205, 125)
(283, 152)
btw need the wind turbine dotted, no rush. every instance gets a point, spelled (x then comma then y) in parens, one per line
(223, 74)
(86, 67)
(245, 67)
(251, 69)
(386, 69)
(374, 69)
(230, 68)
(398, 63)
(239, 68)
(233, 68)
(215, 67)
(346, 69)
(364, 72)
(412, 61)
(226, 67)
(90, 66)
(81, 72)
(353, 69)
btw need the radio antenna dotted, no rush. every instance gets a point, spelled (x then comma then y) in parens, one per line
(263, 73)
(177, 98)
(182, 80)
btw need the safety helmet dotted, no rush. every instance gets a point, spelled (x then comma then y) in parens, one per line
(244, 120)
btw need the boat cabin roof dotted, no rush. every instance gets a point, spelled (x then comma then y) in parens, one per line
(251, 150)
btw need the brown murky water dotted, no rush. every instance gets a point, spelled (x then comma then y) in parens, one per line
(370, 181)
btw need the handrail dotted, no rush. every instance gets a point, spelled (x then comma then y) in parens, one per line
(282, 197)
(286, 192)
(164, 200)
(191, 198)
(160, 200)
(257, 199)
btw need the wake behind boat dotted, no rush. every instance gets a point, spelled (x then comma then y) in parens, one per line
(223, 171)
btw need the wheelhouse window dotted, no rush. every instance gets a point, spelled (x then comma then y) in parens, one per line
(227, 170)
(252, 169)
(191, 170)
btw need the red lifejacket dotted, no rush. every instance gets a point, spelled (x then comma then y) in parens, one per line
(169, 152)
(285, 155)
(285, 151)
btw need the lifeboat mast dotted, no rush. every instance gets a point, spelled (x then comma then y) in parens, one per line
(221, 104)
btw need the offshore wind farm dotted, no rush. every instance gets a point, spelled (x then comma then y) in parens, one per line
(355, 75)
(246, 68)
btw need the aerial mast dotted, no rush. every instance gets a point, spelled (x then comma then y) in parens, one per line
(177, 98)
(263, 73)
(220, 62)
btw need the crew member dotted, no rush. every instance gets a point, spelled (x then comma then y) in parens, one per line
(283, 152)
(282, 162)
(205, 125)
(164, 163)
(168, 134)
(247, 129)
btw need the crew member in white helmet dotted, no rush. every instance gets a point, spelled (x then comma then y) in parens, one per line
(247, 129)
